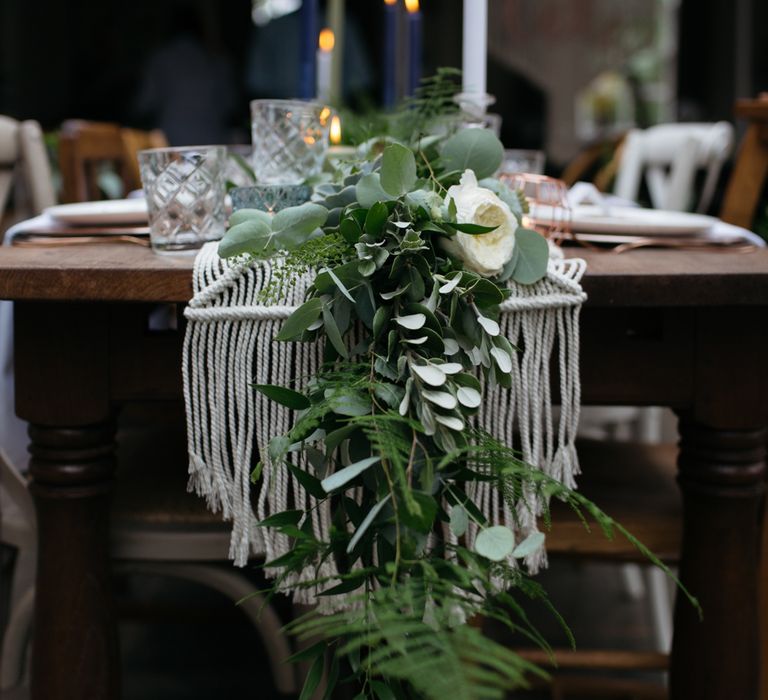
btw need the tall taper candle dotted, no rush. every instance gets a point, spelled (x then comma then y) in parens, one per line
(475, 47)
(307, 46)
(324, 56)
(336, 23)
(390, 37)
(414, 44)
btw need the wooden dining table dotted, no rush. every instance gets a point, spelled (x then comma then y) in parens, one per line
(683, 329)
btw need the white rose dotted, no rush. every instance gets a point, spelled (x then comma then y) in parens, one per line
(486, 253)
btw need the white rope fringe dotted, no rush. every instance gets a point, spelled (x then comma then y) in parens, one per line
(229, 347)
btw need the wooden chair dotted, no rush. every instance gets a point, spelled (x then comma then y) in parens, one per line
(158, 529)
(750, 171)
(635, 485)
(85, 147)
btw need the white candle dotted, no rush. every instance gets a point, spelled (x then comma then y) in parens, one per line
(475, 47)
(324, 62)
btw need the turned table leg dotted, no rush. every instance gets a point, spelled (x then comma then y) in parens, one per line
(75, 651)
(62, 365)
(721, 477)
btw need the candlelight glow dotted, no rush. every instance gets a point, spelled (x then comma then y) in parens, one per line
(412, 6)
(335, 134)
(326, 40)
(390, 2)
(325, 112)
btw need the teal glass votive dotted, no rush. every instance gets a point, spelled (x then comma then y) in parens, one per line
(269, 198)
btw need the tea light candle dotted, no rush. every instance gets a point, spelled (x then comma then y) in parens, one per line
(326, 43)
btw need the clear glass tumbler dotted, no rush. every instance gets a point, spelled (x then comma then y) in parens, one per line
(290, 139)
(185, 190)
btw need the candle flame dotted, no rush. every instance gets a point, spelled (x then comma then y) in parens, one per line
(325, 112)
(326, 40)
(335, 130)
(412, 6)
(390, 2)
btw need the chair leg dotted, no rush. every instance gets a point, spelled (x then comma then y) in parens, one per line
(237, 588)
(661, 608)
(23, 579)
(15, 641)
(632, 577)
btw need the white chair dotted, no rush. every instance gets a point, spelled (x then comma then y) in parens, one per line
(155, 531)
(669, 157)
(24, 162)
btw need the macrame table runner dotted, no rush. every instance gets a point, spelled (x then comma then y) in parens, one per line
(229, 346)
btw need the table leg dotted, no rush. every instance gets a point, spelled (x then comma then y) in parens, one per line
(721, 477)
(75, 650)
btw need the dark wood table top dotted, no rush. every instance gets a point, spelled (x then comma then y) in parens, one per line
(122, 272)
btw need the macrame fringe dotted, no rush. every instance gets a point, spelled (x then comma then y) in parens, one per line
(229, 347)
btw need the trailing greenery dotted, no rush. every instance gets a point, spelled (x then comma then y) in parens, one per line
(411, 249)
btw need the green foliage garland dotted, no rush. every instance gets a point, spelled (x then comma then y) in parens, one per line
(408, 312)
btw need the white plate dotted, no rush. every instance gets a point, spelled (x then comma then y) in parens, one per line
(593, 219)
(112, 211)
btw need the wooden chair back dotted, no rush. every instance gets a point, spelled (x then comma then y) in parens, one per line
(750, 170)
(85, 146)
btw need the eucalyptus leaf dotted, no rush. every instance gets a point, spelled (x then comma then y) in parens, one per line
(241, 215)
(412, 322)
(489, 325)
(376, 219)
(301, 319)
(451, 284)
(533, 256)
(398, 170)
(502, 359)
(369, 191)
(474, 149)
(529, 545)
(452, 422)
(440, 398)
(282, 395)
(468, 397)
(350, 404)
(459, 520)
(495, 543)
(339, 284)
(372, 513)
(332, 332)
(249, 236)
(303, 219)
(341, 477)
(431, 374)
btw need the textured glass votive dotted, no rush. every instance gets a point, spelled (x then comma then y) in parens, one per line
(290, 139)
(185, 191)
(269, 198)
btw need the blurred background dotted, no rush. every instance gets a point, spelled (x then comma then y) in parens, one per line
(564, 73)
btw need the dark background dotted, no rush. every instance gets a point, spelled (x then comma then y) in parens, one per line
(85, 59)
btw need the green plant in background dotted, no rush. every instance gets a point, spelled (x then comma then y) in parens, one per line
(412, 249)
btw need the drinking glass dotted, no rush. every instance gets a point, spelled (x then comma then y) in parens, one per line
(185, 190)
(290, 139)
(518, 160)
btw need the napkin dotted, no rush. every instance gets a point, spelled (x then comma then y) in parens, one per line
(722, 233)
